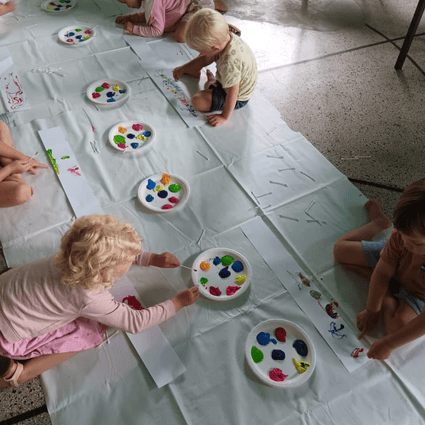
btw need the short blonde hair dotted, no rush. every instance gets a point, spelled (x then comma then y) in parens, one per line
(205, 29)
(93, 247)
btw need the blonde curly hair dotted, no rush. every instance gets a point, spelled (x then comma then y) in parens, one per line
(93, 247)
(205, 29)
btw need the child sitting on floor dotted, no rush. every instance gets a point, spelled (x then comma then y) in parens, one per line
(207, 32)
(161, 16)
(13, 189)
(396, 269)
(57, 306)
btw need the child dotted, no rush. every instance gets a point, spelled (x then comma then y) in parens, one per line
(401, 257)
(13, 189)
(6, 7)
(55, 307)
(161, 16)
(207, 32)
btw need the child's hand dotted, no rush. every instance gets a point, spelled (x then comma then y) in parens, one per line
(217, 119)
(379, 350)
(129, 27)
(178, 72)
(19, 167)
(34, 165)
(366, 321)
(164, 260)
(185, 298)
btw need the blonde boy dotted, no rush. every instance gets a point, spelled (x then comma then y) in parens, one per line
(208, 33)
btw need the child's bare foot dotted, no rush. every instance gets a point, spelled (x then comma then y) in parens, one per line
(135, 4)
(211, 80)
(376, 214)
(220, 6)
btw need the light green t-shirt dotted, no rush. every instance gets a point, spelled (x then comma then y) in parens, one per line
(237, 65)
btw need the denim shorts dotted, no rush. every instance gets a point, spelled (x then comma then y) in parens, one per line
(219, 97)
(372, 250)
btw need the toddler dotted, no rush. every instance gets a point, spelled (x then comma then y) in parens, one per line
(57, 306)
(396, 269)
(161, 16)
(13, 189)
(207, 32)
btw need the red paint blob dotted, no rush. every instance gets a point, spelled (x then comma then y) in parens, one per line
(167, 207)
(133, 302)
(95, 95)
(173, 200)
(277, 375)
(106, 85)
(280, 334)
(215, 291)
(137, 127)
(121, 145)
(231, 290)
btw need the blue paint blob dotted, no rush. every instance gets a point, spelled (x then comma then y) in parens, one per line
(110, 100)
(301, 347)
(79, 36)
(110, 94)
(278, 355)
(217, 261)
(130, 136)
(147, 133)
(70, 34)
(263, 338)
(149, 198)
(57, 8)
(163, 194)
(223, 273)
(123, 91)
(134, 145)
(237, 266)
(151, 184)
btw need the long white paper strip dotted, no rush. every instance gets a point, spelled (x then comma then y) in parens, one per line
(152, 346)
(74, 183)
(322, 312)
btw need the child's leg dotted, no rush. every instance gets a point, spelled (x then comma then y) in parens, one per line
(38, 365)
(348, 250)
(202, 100)
(396, 314)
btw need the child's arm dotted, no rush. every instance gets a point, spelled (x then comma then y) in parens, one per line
(8, 152)
(164, 260)
(229, 105)
(377, 290)
(193, 67)
(7, 7)
(15, 167)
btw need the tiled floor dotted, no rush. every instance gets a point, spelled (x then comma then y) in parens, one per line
(328, 67)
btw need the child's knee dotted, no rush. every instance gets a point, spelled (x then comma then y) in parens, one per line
(201, 102)
(23, 194)
(339, 251)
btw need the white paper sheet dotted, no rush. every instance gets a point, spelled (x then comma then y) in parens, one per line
(330, 325)
(151, 345)
(74, 183)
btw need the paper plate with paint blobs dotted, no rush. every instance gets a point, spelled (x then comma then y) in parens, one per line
(164, 192)
(58, 6)
(221, 274)
(108, 93)
(280, 353)
(132, 136)
(76, 35)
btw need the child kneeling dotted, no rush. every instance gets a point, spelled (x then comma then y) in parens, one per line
(208, 33)
(57, 306)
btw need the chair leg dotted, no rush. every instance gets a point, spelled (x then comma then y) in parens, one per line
(410, 34)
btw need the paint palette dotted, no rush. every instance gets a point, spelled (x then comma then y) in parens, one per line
(58, 6)
(221, 274)
(131, 136)
(76, 35)
(108, 94)
(163, 194)
(263, 342)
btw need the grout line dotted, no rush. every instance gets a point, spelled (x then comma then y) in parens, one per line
(336, 54)
(26, 415)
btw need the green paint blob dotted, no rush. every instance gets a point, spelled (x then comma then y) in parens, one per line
(174, 188)
(99, 89)
(227, 260)
(203, 280)
(119, 139)
(64, 157)
(78, 30)
(256, 354)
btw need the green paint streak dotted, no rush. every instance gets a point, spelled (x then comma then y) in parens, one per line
(256, 354)
(203, 280)
(64, 157)
(227, 260)
(174, 188)
(53, 161)
(119, 139)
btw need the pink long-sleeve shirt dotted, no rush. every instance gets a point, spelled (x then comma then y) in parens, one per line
(33, 302)
(164, 14)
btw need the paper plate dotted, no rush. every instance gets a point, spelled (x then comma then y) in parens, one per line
(76, 35)
(262, 368)
(156, 200)
(58, 6)
(211, 284)
(131, 136)
(108, 93)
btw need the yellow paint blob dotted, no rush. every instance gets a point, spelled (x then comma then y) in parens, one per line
(158, 188)
(122, 130)
(116, 88)
(300, 366)
(240, 279)
(141, 137)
